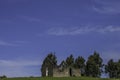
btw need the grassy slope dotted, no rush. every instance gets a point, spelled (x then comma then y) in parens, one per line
(67, 78)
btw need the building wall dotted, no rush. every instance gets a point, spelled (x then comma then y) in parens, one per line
(66, 72)
(76, 72)
(57, 73)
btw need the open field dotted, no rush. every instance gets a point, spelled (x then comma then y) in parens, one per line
(63, 78)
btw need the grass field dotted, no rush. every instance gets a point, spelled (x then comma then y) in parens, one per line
(63, 78)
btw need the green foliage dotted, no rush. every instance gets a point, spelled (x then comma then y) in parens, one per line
(70, 61)
(49, 63)
(63, 64)
(80, 63)
(57, 78)
(3, 77)
(113, 69)
(94, 65)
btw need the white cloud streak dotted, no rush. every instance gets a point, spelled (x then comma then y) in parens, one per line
(69, 31)
(4, 43)
(19, 68)
(109, 29)
(13, 43)
(107, 6)
(82, 30)
(18, 63)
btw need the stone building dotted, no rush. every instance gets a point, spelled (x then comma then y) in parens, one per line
(66, 72)
(62, 71)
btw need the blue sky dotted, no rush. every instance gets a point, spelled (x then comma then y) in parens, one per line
(30, 29)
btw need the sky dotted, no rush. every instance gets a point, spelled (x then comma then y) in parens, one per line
(30, 29)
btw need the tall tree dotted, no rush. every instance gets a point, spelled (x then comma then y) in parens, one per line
(80, 63)
(63, 64)
(113, 69)
(94, 65)
(109, 68)
(118, 74)
(48, 64)
(70, 61)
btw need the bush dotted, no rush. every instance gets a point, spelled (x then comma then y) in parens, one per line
(4, 76)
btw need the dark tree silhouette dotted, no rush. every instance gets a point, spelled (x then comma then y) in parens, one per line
(113, 69)
(49, 63)
(80, 63)
(94, 65)
(70, 61)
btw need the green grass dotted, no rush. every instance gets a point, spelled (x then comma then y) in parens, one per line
(63, 78)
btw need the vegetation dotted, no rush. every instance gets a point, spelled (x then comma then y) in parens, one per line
(3, 77)
(113, 69)
(92, 67)
(70, 61)
(49, 63)
(63, 78)
(80, 63)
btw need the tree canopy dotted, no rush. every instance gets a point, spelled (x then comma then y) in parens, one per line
(49, 63)
(80, 63)
(92, 67)
(113, 68)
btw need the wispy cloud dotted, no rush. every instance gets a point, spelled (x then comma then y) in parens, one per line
(19, 68)
(19, 63)
(69, 31)
(81, 30)
(108, 29)
(107, 6)
(13, 43)
(4, 43)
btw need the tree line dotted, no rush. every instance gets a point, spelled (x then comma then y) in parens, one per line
(92, 67)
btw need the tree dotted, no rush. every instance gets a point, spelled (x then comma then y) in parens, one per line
(63, 64)
(49, 63)
(70, 61)
(3, 77)
(113, 69)
(80, 63)
(118, 74)
(109, 68)
(94, 65)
